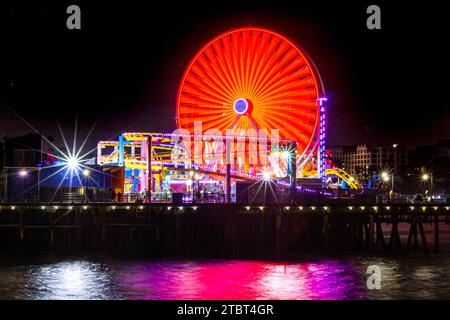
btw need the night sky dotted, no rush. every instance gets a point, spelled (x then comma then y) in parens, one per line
(124, 66)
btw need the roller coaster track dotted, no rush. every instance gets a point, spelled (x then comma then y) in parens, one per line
(351, 181)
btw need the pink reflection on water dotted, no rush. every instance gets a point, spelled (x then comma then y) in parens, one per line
(243, 280)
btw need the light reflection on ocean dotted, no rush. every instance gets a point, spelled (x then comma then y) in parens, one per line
(340, 278)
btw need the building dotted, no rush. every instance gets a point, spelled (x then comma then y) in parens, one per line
(21, 155)
(24, 151)
(430, 156)
(434, 160)
(362, 161)
(2, 169)
(28, 174)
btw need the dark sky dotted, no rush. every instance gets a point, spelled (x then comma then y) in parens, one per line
(123, 68)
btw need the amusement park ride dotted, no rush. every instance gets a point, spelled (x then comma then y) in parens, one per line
(251, 106)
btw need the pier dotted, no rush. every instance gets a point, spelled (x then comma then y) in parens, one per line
(221, 230)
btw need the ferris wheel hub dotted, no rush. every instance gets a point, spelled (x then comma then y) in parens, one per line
(241, 106)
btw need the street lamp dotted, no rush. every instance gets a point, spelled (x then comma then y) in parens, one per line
(73, 163)
(285, 154)
(23, 173)
(86, 173)
(427, 177)
(386, 177)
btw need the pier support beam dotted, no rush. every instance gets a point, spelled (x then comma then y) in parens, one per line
(394, 239)
(380, 236)
(371, 231)
(412, 233)
(436, 233)
(423, 238)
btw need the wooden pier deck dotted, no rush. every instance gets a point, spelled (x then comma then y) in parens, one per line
(221, 230)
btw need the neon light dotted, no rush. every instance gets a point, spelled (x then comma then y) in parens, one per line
(240, 106)
(23, 173)
(321, 151)
(248, 78)
(260, 66)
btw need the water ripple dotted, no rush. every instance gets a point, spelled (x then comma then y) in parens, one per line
(340, 278)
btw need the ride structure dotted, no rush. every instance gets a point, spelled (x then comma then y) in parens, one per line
(251, 105)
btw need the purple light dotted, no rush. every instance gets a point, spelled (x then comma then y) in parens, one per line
(23, 173)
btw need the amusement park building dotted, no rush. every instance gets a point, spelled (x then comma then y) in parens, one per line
(27, 173)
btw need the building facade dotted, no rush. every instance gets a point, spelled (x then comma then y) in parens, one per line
(2, 170)
(431, 155)
(362, 161)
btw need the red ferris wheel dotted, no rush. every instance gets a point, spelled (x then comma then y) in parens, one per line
(253, 78)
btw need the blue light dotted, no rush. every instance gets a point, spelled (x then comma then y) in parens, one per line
(240, 106)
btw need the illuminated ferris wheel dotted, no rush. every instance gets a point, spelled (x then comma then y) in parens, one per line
(253, 78)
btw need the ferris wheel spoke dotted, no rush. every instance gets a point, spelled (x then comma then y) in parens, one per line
(303, 120)
(294, 135)
(225, 74)
(278, 82)
(284, 68)
(227, 54)
(215, 79)
(194, 93)
(200, 102)
(241, 65)
(274, 71)
(218, 123)
(307, 123)
(303, 94)
(235, 43)
(226, 65)
(281, 78)
(291, 98)
(258, 57)
(266, 67)
(222, 75)
(194, 99)
(271, 65)
(249, 55)
(207, 77)
(207, 88)
(261, 60)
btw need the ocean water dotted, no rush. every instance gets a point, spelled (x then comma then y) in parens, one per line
(405, 277)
